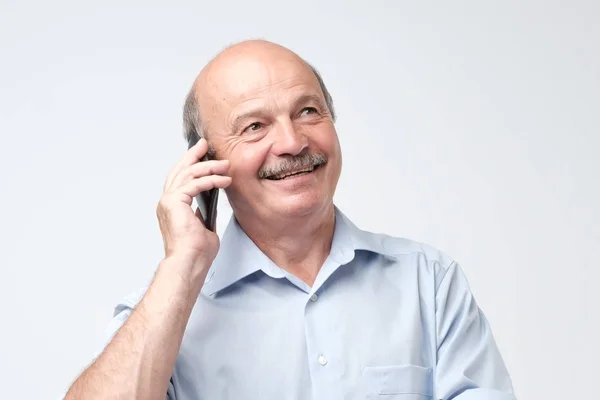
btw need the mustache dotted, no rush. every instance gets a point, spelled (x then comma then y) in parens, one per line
(293, 163)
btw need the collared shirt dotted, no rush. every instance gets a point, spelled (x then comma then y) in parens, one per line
(387, 318)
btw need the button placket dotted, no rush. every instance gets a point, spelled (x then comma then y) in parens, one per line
(318, 345)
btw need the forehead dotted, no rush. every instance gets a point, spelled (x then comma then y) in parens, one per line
(250, 78)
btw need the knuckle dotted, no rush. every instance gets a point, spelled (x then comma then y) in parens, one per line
(187, 176)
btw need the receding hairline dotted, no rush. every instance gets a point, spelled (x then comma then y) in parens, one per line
(192, 121)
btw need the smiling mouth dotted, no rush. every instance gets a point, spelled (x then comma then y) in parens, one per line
(286, 175)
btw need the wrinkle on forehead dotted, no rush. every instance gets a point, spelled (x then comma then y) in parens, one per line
(245, 70)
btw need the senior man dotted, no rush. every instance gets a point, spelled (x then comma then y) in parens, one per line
(295, 301)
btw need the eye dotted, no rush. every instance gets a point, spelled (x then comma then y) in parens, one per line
(253, 127)
(308, 111)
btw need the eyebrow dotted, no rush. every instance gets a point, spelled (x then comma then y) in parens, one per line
(260, 112)
(308, 98)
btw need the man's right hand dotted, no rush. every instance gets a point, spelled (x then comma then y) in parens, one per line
(185, 237)
(139, 360)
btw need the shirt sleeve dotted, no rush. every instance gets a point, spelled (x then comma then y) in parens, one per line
(469, 364)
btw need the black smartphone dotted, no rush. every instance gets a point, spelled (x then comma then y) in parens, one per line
(207, 201)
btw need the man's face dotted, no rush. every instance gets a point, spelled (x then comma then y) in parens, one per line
(268, 116)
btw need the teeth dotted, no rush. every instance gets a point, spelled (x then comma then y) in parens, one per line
(281, 176)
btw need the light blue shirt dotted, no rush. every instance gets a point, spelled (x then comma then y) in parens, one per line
(387, 318)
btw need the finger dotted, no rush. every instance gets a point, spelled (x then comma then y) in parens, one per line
(200, 169)
(195, 186)
(191, 156)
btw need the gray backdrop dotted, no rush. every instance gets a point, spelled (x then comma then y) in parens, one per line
(471, 126)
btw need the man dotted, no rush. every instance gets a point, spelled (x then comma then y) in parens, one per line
(295, 302)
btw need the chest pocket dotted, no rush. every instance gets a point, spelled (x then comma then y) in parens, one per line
(398, 382)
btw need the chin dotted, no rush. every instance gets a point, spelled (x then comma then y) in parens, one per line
(297, 205)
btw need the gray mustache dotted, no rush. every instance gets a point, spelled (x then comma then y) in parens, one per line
(292, 163)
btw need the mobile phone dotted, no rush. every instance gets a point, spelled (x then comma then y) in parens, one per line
(207, 201)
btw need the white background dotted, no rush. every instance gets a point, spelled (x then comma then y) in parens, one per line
(471, 126)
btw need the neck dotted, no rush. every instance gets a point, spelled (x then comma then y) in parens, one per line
(298, 245)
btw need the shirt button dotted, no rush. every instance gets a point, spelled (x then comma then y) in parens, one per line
(322, 360)
(314, 297)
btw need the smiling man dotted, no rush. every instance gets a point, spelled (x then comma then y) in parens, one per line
(295, 301)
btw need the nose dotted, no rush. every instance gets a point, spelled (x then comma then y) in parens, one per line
(287, 140)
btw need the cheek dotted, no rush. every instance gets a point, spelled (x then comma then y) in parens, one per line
(246, 160)
(327, 141)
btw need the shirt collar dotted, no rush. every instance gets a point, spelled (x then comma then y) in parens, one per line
(239, 257)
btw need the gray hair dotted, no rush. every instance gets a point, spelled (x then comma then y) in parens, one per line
(192, 122)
